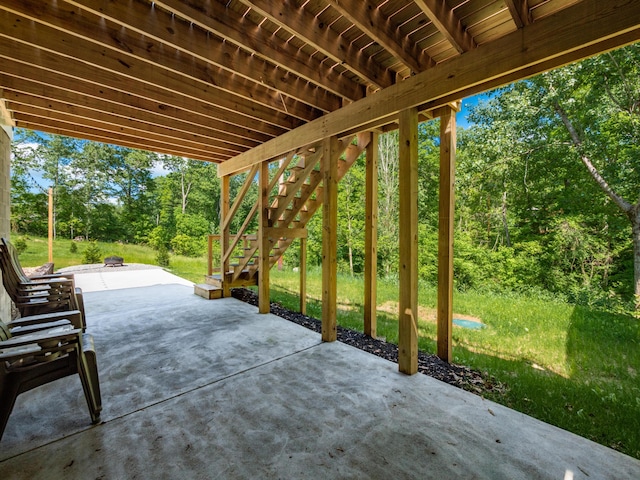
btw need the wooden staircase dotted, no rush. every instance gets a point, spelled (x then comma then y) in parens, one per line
(295, 193)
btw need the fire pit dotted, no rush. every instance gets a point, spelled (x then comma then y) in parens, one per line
(114, 261)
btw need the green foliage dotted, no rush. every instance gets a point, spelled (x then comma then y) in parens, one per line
(92, 254)
(188, 246)
(162, 257)
(20, 244)
(73, 248)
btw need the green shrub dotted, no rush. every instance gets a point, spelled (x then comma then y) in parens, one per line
(162, 257)
(20, 244)
(73, 248)
(92, 254)
(187, 246)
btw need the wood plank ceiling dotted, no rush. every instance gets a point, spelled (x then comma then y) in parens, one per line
(211, 79)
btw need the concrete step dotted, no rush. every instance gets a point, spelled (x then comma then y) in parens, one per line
(207, 291)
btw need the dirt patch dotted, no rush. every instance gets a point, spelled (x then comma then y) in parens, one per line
(424, 313)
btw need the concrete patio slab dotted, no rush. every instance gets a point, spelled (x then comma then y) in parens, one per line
(211, 389)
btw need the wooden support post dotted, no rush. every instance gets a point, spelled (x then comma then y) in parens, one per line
(303, 276)
(225, 193)
(371, 238)
(263, 241)
(445, 231)
(408, 186)
(209, 255)
(50, 225)
(330, 154)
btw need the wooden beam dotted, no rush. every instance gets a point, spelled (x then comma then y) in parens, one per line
(164, 28)
(447, 23)
(133, 46)
(445, 231)
(52, 112)
(264, 303)
(295, 19)
(330, 154)
(6, 117)
(27, 102)
(366, 16)
(519, 10)
(229, 25)
(83, 74)
(86, 59)
(371, 238)
(32, 80)
(275, 233)
(408, 233)
(77, 131)
(533, 49)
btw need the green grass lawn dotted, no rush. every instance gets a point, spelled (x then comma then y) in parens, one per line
(567, 365)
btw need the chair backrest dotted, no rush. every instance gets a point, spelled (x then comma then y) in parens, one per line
(55, 296)
(5, 334)
(9, 277)
(13, 258)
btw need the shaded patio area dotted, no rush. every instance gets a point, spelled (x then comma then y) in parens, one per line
(211, 389)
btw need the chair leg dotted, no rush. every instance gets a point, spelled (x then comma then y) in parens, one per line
(88, 371)
(79, 305)
(9, 387)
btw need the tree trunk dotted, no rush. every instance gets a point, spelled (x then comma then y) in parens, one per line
(635, 225)
(632, 211)
(504, 219)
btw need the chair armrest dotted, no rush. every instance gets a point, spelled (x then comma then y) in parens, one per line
(39, 342)
(70, 315)
(68, 276)
(27, 329)
(52, 281)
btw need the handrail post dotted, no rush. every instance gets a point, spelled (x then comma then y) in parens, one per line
(209, 255)
(224, 212)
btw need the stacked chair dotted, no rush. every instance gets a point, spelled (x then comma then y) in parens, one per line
(39, 294)
(48, 342)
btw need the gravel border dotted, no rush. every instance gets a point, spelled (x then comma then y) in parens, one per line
(459, 376)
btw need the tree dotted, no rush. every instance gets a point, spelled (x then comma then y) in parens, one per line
(46, 155)
(388, 195)
(548, 148)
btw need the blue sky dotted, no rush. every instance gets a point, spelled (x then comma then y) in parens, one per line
(467, 103)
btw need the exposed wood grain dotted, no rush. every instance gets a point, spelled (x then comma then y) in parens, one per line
(408, 241)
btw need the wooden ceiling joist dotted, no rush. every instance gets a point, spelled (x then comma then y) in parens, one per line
(34, 81)
(523, 53)
(447, 23)
(85, 133)
(366, 16)
(162, 27)
(136, 71)
(219, 20)
(320, 35)
(32, 115)
(519, 10)
(216, 79)
(48, 108)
